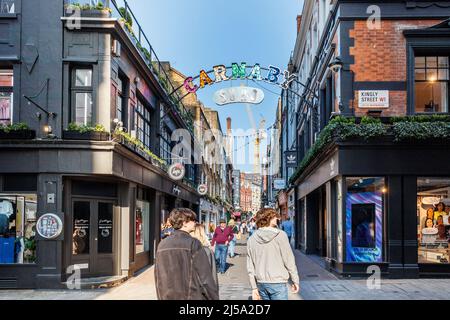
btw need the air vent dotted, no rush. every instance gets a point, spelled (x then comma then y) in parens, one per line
(8, 283)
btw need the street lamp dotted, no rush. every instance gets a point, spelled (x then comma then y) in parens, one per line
(337, 65)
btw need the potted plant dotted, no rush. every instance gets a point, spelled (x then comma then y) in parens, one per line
(91, 11)
(85, 132)
(16, 131)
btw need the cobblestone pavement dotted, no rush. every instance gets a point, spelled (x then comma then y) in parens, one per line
(316, 284)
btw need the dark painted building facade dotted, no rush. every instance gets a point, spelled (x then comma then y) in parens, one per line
(59, 67)
(364, 202)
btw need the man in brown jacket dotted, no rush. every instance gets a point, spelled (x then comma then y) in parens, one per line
(182, 269)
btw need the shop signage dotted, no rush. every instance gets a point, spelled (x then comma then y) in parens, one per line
(49, 226)
(373, 99)
(272, 75)
(291, 159)
(279, 184)
(177, 171)
(238, 95)
(202, 189)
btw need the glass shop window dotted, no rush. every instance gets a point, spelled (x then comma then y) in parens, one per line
(18, 228)
(142, 226)
(365, 219)
(431, 84)
(433, 219)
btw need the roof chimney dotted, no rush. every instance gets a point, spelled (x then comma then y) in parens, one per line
(299, 22)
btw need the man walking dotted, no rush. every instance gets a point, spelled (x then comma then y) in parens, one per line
(270, 260)
(286, 226)
(182, 268)
(221, 238)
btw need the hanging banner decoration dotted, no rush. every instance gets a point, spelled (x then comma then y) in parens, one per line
(239, 71)
(238, 95)
(177, 171)
(49, 226)
(202, 189)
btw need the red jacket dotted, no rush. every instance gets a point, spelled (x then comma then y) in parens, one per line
(222, 236)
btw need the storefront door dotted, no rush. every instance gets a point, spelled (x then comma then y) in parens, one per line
(93, 235)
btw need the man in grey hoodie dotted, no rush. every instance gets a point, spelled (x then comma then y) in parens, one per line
(270, 260)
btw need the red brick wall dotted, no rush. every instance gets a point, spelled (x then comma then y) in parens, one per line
(380, 55)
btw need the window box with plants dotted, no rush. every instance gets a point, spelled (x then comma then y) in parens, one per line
(90, 11)
(138, 147)
(16, 131)
(84, 132)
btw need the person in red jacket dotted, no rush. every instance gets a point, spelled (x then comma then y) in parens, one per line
(221, 238)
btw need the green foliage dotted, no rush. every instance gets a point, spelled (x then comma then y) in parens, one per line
(409, 130)
(99, 6)
(85, 128)
(422, 118)
(20, 126)
(126, 16)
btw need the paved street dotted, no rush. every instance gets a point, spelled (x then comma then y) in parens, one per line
(316, 284)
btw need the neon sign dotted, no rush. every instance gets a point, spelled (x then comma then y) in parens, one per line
(273, 75)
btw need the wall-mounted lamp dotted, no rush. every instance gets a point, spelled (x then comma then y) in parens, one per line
(48, 129)
(336, 65)
(137, 80)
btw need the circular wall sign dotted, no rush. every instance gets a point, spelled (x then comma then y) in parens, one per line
(202, 189)
(49, 226)
(177, 171)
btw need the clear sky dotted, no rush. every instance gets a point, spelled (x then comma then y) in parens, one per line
(200, 34)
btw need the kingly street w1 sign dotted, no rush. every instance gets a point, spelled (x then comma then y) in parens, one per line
(373, 99)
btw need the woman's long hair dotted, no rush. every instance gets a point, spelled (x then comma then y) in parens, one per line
(199, 234)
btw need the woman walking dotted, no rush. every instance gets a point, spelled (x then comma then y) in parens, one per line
(199, 234)
(235, 231)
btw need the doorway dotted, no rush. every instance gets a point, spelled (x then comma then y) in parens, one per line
(93, 236)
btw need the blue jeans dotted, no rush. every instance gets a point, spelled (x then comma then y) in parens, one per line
(221, 256)
(232, 246)
(273, 291)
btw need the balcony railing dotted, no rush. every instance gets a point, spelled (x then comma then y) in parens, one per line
(7, 6)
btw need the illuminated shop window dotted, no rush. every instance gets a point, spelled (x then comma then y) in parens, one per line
(433, 219)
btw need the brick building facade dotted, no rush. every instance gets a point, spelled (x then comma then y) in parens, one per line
(362, 199)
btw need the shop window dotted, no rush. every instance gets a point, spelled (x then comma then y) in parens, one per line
(364, 219)
(18, 228)
(82, 96)
(431, 84)
(142, 123)
(142, 226)
(433, 219)
(6, 96)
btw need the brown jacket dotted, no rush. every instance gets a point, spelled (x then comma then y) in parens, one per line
(182, 270)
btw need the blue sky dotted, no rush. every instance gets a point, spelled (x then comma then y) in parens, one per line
(199, 34)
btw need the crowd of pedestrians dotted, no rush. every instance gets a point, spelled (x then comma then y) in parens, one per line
(190, 256)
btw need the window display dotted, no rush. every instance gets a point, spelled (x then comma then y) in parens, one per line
(364, 219)
(142, 226)
(18, 228)
(433, 223)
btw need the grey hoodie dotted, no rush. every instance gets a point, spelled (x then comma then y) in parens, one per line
(270, 258)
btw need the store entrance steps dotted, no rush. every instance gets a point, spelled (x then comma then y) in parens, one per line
(100, 282)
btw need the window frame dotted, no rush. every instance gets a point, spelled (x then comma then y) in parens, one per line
(74, 90)
(9, 89)
(147, 122)
(437, 81)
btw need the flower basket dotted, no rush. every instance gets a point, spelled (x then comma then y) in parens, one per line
(92, 135)
(17, 135)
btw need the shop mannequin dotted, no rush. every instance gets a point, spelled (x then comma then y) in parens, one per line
(440, 210)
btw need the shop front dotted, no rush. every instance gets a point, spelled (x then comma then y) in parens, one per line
(377, 204)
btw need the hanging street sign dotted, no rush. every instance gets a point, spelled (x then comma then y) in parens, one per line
(273, 75)
(238, 95)
(177, 171)
(291, 159)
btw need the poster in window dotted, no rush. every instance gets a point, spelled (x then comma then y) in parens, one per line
(364, 227)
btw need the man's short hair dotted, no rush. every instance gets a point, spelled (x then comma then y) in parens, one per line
(264, 216)
(180, 215)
